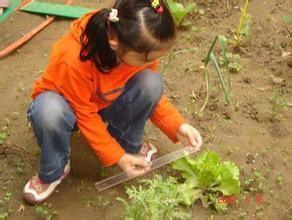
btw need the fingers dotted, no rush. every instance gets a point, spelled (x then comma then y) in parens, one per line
(195, 139)
(139, 166)
(137, 171)
(198, 140)
(140, 162)
(192, 139)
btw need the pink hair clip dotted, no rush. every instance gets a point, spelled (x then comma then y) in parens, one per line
(159, 10)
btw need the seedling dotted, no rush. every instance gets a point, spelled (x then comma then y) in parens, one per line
(43, 211)
(278, 102)
(7, 196)
(3, 137)
(179, 12)
(211, 57)
(232, 62)
(280, 180)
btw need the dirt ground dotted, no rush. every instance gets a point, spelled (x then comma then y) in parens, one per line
(255, 131)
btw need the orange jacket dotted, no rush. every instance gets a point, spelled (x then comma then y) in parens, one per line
(83, 85)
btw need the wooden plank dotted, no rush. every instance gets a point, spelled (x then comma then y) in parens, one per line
(55, 9)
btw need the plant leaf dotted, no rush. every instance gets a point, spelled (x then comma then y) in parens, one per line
(179, 12)
(220, 76)
(3, 137)
(288, 18)
(234, 67)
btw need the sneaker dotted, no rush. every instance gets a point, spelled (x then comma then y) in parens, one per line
(36, 192)
(149, 151)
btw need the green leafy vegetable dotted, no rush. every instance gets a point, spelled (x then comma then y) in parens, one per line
(179, 12)
(206, 179)
(160, 200)
(210, 178)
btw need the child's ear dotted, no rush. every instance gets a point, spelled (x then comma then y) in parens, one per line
(114, 45)
(113, 42)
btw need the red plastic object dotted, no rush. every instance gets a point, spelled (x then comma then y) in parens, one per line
(29, 35)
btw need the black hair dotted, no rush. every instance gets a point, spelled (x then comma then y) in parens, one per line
(140, 28)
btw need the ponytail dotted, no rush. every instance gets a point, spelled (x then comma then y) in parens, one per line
(94, 42)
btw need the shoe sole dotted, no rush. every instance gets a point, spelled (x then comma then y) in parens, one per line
(29, 198)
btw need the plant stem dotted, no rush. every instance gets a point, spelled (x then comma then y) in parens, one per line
(242, 18)
(206, 77)
(222, 81)
(207, 59)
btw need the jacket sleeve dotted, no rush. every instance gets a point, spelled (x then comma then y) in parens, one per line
(167, 118)
(78, 90)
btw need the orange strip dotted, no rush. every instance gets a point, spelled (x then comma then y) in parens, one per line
(29, 35)
(22, 4)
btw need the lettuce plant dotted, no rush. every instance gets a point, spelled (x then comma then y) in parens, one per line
(207, 178)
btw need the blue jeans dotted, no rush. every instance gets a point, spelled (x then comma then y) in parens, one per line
(53, 121)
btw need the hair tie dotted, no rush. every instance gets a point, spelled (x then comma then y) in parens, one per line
(113, 16)
(158, 8)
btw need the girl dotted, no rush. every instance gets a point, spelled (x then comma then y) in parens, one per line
(102, 79)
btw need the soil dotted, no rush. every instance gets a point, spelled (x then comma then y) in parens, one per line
(255, 130)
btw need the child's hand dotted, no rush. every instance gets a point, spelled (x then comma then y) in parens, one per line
(189, 136)
(133, 165)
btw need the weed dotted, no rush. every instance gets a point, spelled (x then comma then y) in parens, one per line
(232, 62)
(278, 102)
(99, 203)
(5, 214)
(3, 136)
(7, 196)
(279, 180)
(179, 12)
(43, 211)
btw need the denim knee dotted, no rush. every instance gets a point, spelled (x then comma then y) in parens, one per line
(150, 85)
(49, 111)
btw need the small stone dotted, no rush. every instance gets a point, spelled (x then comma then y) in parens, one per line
(21, 208)
(201, 12)
(278, 80)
